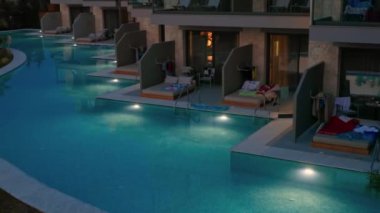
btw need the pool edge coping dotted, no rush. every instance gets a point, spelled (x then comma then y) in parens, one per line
(24, 187)
(35, 193)
(19, 59)
(258, 144)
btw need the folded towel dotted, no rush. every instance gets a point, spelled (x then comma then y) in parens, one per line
(251, 85)
(175, 87)
(337, 126)
(247, 93)
(364, 129)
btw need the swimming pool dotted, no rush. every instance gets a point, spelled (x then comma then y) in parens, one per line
(123, 157)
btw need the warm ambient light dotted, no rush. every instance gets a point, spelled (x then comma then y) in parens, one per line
(209, 58)
(223, 118)
(209, 39)
(115, 80)
(277, 48)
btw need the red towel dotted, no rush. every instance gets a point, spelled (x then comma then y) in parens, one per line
(337, 126)
(265, 88)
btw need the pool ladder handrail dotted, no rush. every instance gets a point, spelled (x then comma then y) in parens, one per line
(376, 153)
(185, 88)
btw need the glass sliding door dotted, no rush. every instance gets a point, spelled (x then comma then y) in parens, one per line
(288, 58)
(209, 49)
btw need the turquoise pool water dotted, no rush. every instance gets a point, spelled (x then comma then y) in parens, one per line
(121, 158)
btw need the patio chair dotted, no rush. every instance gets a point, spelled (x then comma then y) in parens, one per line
(208, 75)
(94, 37)
(343, 106)
(280, 5)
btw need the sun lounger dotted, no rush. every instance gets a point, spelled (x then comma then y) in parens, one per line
(250, 98)
(338, 135)
(58, 30)
(94, 37)
(169, 90)
(131, 69)
(236, 99)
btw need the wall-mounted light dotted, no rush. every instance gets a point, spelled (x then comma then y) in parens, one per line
(209, 58)
(277, 48)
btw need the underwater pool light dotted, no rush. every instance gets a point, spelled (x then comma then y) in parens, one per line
(308, 172)
(135, 106)
(115, 80)
(74, 45)
(223, 118)
(41, 36)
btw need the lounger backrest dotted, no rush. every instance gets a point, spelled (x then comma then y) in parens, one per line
(185, 80)
(171, 79)
(343, 103)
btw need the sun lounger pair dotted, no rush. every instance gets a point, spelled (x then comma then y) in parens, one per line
(252, 97)
(94, 37)
(170, 89)
(131, 69)
(343, 134)
(58, 30)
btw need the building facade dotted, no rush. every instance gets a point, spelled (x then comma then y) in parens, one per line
(287, 36)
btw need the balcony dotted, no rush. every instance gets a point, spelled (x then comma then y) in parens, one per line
(346, 12)
(346, 21)
(66, 2)
(289, 14)
(148, 4)
(103, 3)
(232, 6)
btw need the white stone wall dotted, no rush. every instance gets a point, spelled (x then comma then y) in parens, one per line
(152, 32)
(173, 33)
(257, 39)
(99, 21)
(65, 12)
(259, 5)
(328, 53)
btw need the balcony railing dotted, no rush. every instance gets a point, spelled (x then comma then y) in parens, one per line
(346, 12)
(141, 3)
(226, 6)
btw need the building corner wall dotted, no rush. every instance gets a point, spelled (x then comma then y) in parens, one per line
(98, 14)
(151, 29)
(174, 33)
(329, 54)
(257, 39)
(65, 13)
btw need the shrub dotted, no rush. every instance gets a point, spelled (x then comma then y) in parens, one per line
(5, 54)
